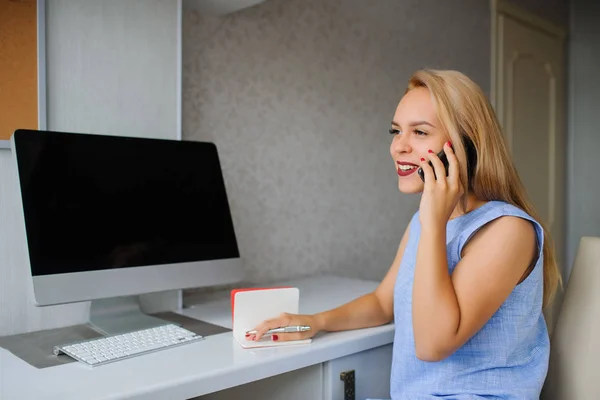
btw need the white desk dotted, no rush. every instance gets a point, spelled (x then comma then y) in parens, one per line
(208, 366)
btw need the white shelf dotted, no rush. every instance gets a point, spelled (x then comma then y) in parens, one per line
(217, 8)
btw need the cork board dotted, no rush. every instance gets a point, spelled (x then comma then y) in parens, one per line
(18, 66)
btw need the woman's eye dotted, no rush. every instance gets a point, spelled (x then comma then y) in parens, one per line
(418, 132)
(394, 131)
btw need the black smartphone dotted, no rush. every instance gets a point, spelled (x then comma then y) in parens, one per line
(443, 158)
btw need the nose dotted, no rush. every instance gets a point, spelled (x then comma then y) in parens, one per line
(400, 144)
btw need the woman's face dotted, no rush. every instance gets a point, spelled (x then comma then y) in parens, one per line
(416, 130)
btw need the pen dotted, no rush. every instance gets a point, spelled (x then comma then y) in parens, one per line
(283, 329)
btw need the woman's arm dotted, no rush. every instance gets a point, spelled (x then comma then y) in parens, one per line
(448, 310)
(372, 309)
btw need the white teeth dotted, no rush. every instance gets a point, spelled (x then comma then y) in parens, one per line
(407, 167)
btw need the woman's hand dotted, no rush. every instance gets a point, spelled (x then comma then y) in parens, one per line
(287, 320)
(440, 195)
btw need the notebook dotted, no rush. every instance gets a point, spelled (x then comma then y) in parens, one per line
(252, 306)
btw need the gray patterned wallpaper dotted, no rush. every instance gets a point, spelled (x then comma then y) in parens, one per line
(298, 96)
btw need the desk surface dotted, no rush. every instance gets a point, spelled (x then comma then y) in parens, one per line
(210, 365)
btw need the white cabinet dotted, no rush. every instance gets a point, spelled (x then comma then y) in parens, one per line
(302, 384)
(371, 374)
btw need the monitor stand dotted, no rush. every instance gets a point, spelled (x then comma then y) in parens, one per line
(121, 315)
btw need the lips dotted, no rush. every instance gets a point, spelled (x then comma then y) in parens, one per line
(406, 168)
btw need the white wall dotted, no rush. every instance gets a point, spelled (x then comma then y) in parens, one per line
(584, 137)
(112, 68)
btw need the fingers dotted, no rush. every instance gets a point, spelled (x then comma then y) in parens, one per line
(282, 320)
(427, 173)
(443, 177)
(452, 161)
(286, 337)
(453, 170)
(438, 168)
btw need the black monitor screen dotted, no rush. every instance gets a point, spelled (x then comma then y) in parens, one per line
(96, 202)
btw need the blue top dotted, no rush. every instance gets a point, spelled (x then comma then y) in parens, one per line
(506, 359)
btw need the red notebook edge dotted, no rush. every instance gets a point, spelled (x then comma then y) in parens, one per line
(235, 291)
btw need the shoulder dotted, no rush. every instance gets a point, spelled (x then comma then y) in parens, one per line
(508, 219)
(506, 226)
(500, 215)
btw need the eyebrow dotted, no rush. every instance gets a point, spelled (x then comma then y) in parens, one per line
(415, 123)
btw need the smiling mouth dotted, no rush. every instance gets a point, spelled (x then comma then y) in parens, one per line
(406, 169)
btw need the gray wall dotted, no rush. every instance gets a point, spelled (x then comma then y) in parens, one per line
(584, 137)
(112, 67)
(298, 96)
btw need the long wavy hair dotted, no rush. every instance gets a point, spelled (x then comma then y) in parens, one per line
(469, 119)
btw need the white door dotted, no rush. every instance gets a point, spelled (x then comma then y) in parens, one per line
(529, 98)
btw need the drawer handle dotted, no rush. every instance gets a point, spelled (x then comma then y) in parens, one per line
(349, 384)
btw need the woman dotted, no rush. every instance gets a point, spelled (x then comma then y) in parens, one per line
(474, 267)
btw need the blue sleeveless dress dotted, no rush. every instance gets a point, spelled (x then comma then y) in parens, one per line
(506, 359)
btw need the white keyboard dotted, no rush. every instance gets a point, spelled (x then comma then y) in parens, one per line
(104, 350)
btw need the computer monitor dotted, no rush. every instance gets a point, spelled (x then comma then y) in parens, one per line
(108, 216)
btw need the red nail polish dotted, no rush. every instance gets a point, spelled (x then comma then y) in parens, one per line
(430, 151)
(449, 143)
(247, 334)
(422, 159)
(275, 338)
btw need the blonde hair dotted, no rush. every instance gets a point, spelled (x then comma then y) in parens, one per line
(464, 111)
